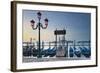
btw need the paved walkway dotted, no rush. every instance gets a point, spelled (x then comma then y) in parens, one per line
(45, 59)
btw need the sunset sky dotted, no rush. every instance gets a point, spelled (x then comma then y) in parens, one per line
(77, 25)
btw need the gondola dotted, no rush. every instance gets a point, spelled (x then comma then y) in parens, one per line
(77, 52)
(71, 52)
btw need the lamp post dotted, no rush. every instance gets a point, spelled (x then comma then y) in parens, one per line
(39, 26)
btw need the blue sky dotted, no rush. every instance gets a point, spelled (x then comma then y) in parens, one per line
(77, 25)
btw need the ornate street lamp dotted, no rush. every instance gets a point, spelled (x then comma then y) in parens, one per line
(39, 26)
